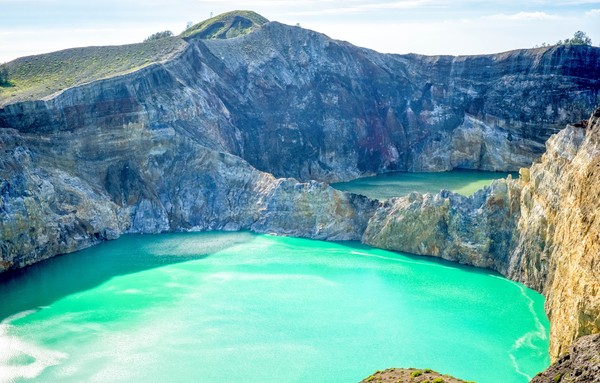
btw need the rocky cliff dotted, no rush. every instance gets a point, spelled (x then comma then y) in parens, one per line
(540, 229)
(580, 365)
(558, 247)
(295, 103)
(197, 141)
(66, 190)
(176, 145)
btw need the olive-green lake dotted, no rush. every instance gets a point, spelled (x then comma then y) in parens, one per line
(240, 307)
(388, 185)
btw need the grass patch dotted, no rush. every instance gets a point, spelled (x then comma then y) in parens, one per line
(36, 77)
(226, 25)
(414, 374)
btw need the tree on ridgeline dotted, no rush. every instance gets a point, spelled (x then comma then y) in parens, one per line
(579, 38)
(4, 81)
(158, 36)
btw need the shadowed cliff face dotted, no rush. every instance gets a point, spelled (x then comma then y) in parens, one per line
(295, 103)
(313, 108)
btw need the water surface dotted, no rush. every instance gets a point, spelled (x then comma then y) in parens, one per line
(239, 307)
(397, 184)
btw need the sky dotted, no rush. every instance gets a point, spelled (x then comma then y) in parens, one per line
(430, 27)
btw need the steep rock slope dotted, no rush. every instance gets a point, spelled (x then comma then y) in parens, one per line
(314, 108)
(558, 250)
(65, 190)
(295, 103)
(580, 365)
(541, 230)
(475, 230)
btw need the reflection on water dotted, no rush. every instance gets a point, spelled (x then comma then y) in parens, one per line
(255, 308)
(389, 185)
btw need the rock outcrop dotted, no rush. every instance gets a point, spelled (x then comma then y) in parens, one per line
(558, 249)
(410, 375)
(580, 365)
(475, 230)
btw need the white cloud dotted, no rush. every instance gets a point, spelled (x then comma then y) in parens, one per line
(366, 6)
(593, 13)
(525, 16)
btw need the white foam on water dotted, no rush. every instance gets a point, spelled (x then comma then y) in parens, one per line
(421, 263)
(13, 348)
(517, 367)
(526, 340)
(131, 291)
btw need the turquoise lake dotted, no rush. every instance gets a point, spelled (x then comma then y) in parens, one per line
(388, 185)
(240, 307)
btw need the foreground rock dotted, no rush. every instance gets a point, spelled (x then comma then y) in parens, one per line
(410, 375)
(580, 365)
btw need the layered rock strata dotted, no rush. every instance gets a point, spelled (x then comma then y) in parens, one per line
(295, 103)
(65, 191)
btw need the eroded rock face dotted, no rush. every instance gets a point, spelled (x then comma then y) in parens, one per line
(558, 250)
(66, 190)
(476, 230)
(295, 103)
(580, 365)
(313, 108)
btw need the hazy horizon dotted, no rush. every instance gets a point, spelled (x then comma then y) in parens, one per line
(389, 26)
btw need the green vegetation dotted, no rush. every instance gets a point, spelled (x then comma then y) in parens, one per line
(43, 75)
(427, 370)
(414, 374)
(158, 36)
(579, 38)
(438, 380)
(557, 378)
(4, 80)
(226, 25)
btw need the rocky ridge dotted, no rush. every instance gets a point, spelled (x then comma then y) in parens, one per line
(580, 365)
(189, 144)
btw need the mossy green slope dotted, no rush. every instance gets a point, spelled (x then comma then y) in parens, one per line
(40, 76)
(226, 25)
